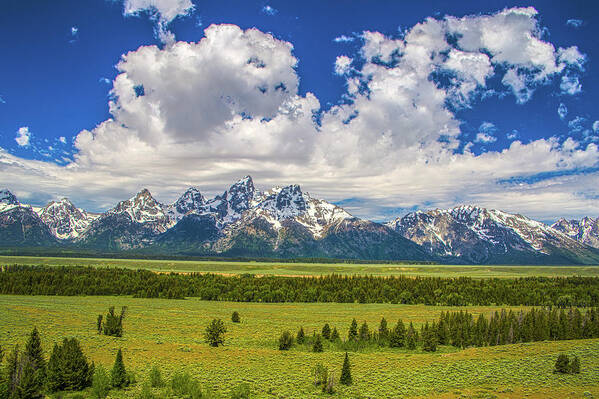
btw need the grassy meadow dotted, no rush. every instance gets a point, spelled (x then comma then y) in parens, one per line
(311, 269)
(169, 333)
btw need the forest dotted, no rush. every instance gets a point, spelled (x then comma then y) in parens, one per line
(462, 291)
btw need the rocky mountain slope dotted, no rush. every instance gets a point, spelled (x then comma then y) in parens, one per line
(479, 235)
(21, 226)
(585, 230)
(65, 220)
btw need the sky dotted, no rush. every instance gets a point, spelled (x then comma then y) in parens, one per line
(382, 107)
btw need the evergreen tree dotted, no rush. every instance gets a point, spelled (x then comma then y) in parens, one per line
(113, 324)
(562, 364)
(364, 333)
(383, 330)
(352, 334)
(54, 372)
(429, 339)
(411, 337)
(235, 317)
(346, 378)
(99, 324)
(35, 359)
(575, 365)
(100, 383)
(334, 334)
(398, 335)
(118, 375)
(317, 346)
(215, 331)
(301, 337)
(326, 331)
(68, 368)
(11, 372)
(29, 385)
(285, 341)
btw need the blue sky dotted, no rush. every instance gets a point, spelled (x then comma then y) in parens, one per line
(513, 130)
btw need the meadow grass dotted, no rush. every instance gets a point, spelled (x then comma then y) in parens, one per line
(169, 333)
(311, 269)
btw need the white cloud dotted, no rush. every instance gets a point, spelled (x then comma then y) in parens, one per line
(74, 30)
(596, 126)
(343, 39)
(62, 139)
(23, 136)
(342, 64)
(570, 85)
(520, 87)
(268, 10)
(576, 125)
(161, 11)
(571, 56)
(484, 138)
(575, 23)
(514, 134)
(229, 105)
(2, 101)
(562, 111)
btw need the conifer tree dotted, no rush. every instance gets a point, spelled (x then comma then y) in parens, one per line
(398, 335)
(99, 324)
(285, 341)
(352, 334)
(118, 375)
(11, 372)
(334, 334)
(35, 357)
(214, 333)
(383, 330)
(29, 385)
(326, 331)
(364, 333)
(562, 364)
(68, 368)
(429, 339)
(575, 365)
(100, 383)
(317, 346)
(235, 317)
(411, 337)
(301, 337)
(346, 378)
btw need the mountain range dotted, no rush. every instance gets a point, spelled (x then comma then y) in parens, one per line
(286, 222)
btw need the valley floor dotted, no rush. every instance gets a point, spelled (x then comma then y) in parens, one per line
(169, 333)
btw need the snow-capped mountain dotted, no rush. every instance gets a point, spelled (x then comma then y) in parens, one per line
(585, 230)
(20, 225)
(65, 220)
(480, 235)
(7, 201)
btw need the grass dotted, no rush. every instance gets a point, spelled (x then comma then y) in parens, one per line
(312, 269)
(169, 333)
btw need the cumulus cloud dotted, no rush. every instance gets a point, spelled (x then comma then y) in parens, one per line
(562, 111)
(23, 136)
(484, 138)
(161, 11)
(62, 139)
(596, 126)
(209, 112)
(268, 10)
(570, 85)
(342, 64)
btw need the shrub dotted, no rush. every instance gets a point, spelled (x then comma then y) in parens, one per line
(215, 332)
(242, 391)
(575, 366)
(562, 364)
(146, 391)
(301, 337)
(320, 374)
(326, 331)
(235, 317)
(334, 334)
(100, 383)
(285, 341)
(113, 324)
(180, 383)
(155, 377)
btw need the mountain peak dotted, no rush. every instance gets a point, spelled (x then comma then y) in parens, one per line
(8, 198)
(191, 199)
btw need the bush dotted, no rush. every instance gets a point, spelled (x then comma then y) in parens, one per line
(100, 383)
(320, 374)
(235, 317)
(215, 331)
(326, 331)
(155, 377)
(301, 337)
(242, 391)
(181, 383)
(285, 341)
(113, 324)
(146, 391)
(562, 364)
(317, 346)
(575, 366)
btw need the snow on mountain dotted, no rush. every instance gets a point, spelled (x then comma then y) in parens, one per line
(7, 201)
(290, 203)
(64, 219)
(144, 209)
(191, 201)
(585, 230)
(480, 234)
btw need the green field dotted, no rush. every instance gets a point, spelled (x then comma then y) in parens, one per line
(317, 269)
(169, 333)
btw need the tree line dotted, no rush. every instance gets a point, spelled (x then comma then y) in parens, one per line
(459, 329)
(72, 280)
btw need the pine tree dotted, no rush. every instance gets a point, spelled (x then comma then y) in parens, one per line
(29, 385)
(383, 330)
(235, 317)
(411, 337)
(364, 333)
(215, 331)
(429, 339)
(575, 365)
(398, 335)
(11, 371)
(113, 325)
(285, 341)
(334, 334)
(35, 356)
(317, 346)
(352, 334)
(301, 337)
(326, 331)
(346, 378)
(118, 375)
(54, 370)
(99, 324)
